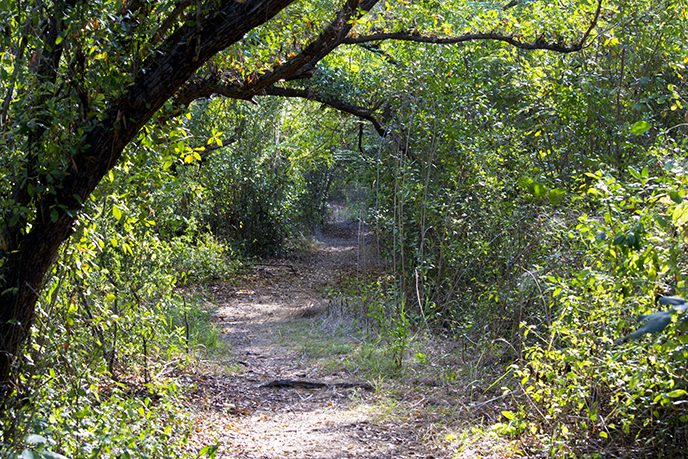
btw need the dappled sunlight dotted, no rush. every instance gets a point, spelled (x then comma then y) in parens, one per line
(281, 325)
(272, 323)
(351, 228)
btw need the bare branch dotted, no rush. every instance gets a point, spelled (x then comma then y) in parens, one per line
(593, 23)
(207, 89)
(375, 48)
(360, 112)
(204, 89)
(538, 44)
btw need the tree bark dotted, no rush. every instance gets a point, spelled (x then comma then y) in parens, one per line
(27, 255)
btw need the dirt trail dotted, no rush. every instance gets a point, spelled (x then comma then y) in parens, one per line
(262, 319)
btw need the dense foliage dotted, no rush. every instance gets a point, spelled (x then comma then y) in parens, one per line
(524, 168)
(539, 199)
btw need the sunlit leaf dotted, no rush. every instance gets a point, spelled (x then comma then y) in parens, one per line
(680, 214)
(640, 127)
(509, 415)
(677, 393)
(117, 212)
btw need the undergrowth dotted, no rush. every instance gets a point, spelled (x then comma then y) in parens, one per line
(111, 332)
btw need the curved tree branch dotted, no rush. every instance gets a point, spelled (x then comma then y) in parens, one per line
(28, 254)
(342, 106)
(538, 44)
(208, 89)
(293, 68)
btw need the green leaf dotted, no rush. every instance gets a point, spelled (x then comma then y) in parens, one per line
(661, 221)
(677, 393)
(527, 183)
(640, 127)
(539, 190)
(619, 239)
(680, 214)
(208, 451)
(675, 197)
(117, 212)
(557, 195)
(509, 415)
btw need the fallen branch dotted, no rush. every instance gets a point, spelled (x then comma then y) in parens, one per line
(278, 265)
(297, 384)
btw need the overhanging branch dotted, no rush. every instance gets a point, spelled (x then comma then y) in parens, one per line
(342, 106)
(538, 44)
(329, 39)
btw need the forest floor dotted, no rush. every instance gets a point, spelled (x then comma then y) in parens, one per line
(285, 321)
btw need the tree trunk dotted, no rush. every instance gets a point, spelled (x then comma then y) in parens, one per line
(28, 256)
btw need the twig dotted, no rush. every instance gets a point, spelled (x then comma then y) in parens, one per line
(478, 405)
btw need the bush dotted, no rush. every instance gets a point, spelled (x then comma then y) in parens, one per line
(592, 378)
(109, 329)
(201, 258)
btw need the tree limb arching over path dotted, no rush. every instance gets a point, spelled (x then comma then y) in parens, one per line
(29, 255)
(45, 204)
